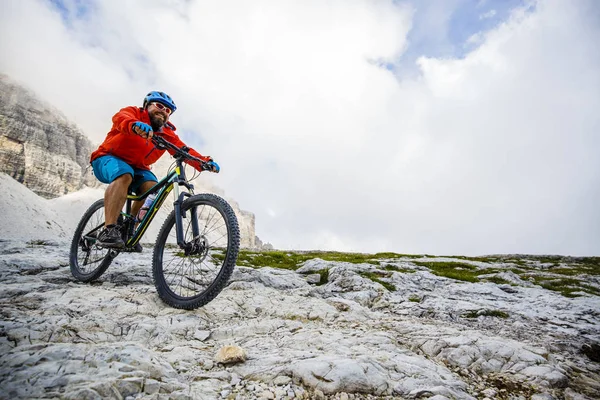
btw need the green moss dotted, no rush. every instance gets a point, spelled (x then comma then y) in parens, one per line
(577, 268)
(565, 271)
(293, 260)
(275, 259)
(547, 259)
(496, 279)
(304, 320)
(415, 298)
(560, 274)
(375, 278)
(324, 276)
(566, 286)
(488, 271)
(590, 289)
(453, 270)
(389, 267)
(485, 313)
(590, 264)
(478, 259)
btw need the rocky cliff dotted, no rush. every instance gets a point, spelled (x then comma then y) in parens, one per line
(39, 147)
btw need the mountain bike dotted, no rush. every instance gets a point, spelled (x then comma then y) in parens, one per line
(196, 248)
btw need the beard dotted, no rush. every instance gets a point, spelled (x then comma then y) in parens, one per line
(156, 122)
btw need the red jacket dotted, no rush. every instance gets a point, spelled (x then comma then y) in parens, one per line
(136, 151)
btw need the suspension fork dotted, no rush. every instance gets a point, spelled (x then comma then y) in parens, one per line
(179, 215)
(194, 217)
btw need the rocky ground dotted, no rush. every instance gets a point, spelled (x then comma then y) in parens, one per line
(393, 327)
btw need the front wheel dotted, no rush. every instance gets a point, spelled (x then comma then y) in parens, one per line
(192, 275)
(88, 261)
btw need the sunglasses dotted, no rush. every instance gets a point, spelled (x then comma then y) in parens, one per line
(163, 108)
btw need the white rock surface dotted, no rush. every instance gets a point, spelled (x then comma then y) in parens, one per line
(114, 338)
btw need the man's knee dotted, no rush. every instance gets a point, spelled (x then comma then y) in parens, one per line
(124, 179)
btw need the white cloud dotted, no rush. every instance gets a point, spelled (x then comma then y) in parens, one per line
(493, 152)
(487, 15)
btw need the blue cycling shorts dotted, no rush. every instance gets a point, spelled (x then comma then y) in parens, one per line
(109, 168)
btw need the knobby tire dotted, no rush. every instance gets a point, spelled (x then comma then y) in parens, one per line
(188, 266)
(100, 258)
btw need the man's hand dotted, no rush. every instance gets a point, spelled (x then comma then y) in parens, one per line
(214, 167)
(142, 129)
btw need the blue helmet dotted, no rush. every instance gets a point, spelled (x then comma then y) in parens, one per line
(160, 97)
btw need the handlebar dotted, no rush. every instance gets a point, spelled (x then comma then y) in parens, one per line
(180, 152)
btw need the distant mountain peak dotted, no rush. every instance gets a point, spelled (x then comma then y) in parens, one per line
(39, 146)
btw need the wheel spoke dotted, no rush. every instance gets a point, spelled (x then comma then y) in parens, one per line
(190, 277)
(88, 261)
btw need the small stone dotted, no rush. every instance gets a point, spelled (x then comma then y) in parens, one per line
(230, 355)
(282, 380)
(267, 394)
(151, 386)
(225, 393)
(344, 396)
(319, 395)
(208, 365)
(235, 379)
(201, 335)
(313, 278)
(299, 391)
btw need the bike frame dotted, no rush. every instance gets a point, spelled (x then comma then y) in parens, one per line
(171, 182)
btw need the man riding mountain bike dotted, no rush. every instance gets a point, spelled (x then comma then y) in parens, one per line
(123, 160)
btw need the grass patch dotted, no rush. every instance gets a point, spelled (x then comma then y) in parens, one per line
(496, 279)
(556, 273)
(415, 298)
(555, 260)
(568, 287)
(452, 270)
(485, 313)
(521, 263)
(488, 271)
(590, 289)
(478, 259)
(394, 268)
(293, 260)
(590, 264)
(565, 271)
(274, 259)
(38, 243)
(375, 278)
(324, 276)
(304, 320)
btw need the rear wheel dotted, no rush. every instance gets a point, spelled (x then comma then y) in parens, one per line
(192, 276)
(87, 260)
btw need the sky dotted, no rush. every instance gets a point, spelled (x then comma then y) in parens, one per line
(443, 127)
